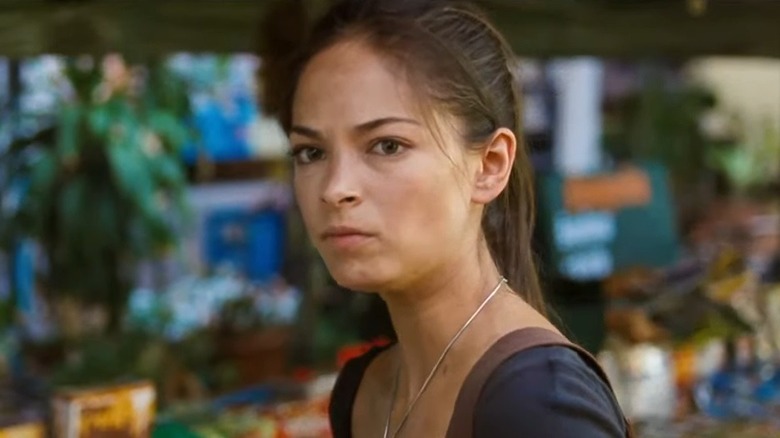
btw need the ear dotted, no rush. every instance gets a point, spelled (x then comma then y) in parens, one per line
(495, 166)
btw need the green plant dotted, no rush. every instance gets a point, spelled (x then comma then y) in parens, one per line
(137, 354)
(752, 164)
(97, 360)
(103, 187)
(240, 315)
(661, 122)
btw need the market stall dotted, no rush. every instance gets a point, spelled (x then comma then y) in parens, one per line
(209, 315)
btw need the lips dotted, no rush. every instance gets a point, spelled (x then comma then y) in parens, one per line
(346, 237)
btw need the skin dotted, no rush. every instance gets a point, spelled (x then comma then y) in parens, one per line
(394, 207)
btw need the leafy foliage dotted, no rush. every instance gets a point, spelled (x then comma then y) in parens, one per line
(661, 122)
(751, 164)
(103, 186)
(137, 354)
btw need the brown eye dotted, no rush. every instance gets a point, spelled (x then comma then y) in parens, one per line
(387, 147)
(307, 154)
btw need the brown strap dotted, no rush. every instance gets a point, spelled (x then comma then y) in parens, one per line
(462, 421)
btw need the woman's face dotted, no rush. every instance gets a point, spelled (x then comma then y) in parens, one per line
(384, 202)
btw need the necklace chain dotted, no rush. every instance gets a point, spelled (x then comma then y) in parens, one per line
(428, 379)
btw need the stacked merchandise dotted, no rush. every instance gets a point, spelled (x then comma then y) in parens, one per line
(694, 349)
(288, 408)
(280, 410)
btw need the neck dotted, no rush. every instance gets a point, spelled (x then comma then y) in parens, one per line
(427, 315)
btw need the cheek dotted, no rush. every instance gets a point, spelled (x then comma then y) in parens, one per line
(427, 207)
(307, 199)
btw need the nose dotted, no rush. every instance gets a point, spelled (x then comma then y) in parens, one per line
(341, 188)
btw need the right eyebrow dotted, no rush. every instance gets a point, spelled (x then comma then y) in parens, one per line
(306, 132)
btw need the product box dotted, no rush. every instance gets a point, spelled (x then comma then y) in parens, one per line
(125, 411)
(26, 430)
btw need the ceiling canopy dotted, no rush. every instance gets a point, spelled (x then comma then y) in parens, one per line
(535, 28)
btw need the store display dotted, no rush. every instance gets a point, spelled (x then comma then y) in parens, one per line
(595, 226)
(662, 255)
(643, 379)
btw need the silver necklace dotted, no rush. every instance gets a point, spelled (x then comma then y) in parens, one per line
(447, 349)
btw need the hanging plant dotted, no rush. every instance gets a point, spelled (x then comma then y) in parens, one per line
(103, 187)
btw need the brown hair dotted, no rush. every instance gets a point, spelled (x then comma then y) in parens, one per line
(466, 68)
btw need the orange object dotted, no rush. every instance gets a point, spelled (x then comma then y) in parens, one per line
(685, 366)
(629, 187)
(302, 375)
(351, 351)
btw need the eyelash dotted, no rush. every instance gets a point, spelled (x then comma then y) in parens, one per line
(297, 152)
(401, 144)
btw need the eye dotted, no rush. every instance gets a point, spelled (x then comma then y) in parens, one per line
(387, 147)
(307, 154)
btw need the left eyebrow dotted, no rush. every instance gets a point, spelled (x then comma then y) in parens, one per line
(374, 124)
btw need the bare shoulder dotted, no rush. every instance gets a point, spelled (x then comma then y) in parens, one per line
(372, 399)
(380, 372)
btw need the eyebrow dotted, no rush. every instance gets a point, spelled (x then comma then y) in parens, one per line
(306, 132)
(363, 127)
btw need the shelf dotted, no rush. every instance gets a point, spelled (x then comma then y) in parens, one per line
(258, 169)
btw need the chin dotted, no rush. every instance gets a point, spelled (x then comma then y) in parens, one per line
(358, 283)
(358, 279)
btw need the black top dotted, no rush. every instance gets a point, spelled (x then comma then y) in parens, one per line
(540, 392)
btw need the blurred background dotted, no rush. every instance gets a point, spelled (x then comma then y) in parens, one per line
(155, 278)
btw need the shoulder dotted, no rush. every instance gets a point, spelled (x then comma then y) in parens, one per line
(550, 392)
(346, 388)
(352, 373)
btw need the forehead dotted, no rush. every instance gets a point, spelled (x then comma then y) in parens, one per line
(351, 83)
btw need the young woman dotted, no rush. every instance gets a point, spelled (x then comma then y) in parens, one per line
(413, 183)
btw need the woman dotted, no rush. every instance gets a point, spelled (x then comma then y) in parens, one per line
(413, 184)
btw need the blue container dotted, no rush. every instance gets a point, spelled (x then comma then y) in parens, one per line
(251, 242)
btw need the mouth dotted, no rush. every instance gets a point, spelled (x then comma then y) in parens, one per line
(343, 237)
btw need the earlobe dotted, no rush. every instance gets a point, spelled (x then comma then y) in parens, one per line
(496, 166)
